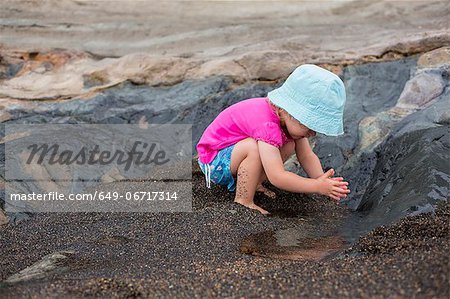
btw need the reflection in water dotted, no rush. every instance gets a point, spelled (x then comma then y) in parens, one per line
(311, 239)
(285, 244)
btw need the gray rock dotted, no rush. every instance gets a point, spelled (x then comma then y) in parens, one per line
(427, 208)
(370, 88)
(411, 170)
(421, 90)
(431, 117)
(435, 115)
(49, 264)
(3, 218)
(194, 102)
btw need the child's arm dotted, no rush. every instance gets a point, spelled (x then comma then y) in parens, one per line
(307, 158)
(289, 181)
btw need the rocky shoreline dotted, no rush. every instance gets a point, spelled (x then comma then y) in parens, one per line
(394, 114)
(388, 239)
(390, 106)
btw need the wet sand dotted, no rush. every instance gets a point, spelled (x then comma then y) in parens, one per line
(198, 254)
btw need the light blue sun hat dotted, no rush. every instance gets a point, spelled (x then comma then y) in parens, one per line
(315, 97)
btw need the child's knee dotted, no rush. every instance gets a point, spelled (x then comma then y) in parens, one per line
(244, 150)
(251, 147)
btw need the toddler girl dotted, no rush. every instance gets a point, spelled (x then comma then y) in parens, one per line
(249, 141)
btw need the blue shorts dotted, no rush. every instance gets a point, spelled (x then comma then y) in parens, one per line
(218, 171)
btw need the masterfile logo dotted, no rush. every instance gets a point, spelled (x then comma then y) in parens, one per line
(85, 167)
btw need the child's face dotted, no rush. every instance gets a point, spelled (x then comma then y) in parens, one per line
(296, 129)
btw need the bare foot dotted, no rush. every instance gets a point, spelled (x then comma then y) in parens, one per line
(254, 207)
(266, 191)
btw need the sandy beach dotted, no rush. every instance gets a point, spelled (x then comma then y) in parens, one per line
(183, 62)
(198, 254)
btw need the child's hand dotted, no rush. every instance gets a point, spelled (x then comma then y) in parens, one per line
(336, 188)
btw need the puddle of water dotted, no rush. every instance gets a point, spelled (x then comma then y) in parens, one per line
(309, 240)
(290, 237)
(293, 243)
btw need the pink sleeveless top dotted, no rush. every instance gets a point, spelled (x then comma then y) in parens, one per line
(249, 118)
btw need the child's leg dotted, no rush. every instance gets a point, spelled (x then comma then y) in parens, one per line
(246, 164)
